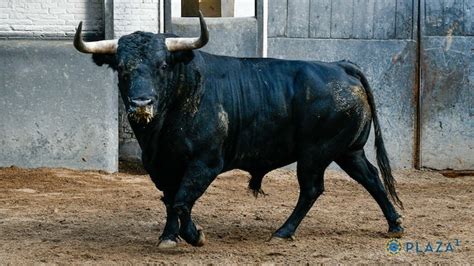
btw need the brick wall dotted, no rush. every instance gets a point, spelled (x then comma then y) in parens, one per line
(130, 16)
(50, 19)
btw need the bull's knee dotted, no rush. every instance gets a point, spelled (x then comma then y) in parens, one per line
(313, 192)
(181, 209)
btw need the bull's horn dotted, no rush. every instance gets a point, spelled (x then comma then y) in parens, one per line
(182, 44)
(99, 47)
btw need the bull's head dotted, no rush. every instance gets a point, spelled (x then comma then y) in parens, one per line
(146, 64)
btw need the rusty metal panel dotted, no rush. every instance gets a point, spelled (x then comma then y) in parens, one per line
(447, 128)
(447, 71)
(404, 19)
(445, 17)
(468, 17)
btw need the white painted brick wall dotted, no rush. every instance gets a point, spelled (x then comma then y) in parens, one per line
(50, 18)
(134, 15)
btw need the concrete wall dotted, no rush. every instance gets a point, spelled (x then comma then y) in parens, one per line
(58, 108)
(377, 35)
(38, 19)
(50, 19)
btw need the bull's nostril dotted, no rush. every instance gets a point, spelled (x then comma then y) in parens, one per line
(140, 102)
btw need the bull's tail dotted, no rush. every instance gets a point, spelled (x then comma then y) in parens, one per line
(382, 159)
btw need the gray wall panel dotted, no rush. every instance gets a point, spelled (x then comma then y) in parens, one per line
(363, 22)
(384, 19)
(58, 109)
(341, 19)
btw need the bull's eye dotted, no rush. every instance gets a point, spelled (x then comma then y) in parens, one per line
(164, 66)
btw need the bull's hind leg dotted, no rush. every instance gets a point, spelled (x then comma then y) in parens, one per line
(356, 165)
(311, 181)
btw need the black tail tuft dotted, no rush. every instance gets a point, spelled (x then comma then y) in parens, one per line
(382, 158)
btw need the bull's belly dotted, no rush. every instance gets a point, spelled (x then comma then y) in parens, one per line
(263, 155)
(262, 164)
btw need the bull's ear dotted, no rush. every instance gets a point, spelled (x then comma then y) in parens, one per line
(107, 59)
(182, 56)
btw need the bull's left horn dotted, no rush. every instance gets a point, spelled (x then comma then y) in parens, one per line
(183, 44)
(99, 47)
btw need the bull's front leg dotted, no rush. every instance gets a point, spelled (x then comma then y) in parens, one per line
(169, 237)
(196, 180)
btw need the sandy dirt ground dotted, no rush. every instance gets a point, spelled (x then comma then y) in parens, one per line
(64, 216)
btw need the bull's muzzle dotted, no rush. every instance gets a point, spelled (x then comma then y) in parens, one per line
(141, 111)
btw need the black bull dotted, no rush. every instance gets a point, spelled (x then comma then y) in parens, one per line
(196, 115)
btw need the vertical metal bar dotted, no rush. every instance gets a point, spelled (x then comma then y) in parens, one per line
(109, 19)
(161, 16)
(167, 16)
(417, 13)
(259, 14)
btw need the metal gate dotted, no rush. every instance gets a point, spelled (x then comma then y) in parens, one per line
(418, 55)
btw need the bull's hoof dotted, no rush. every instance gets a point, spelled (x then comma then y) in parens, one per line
(202, 239)
(167, 244)
(278, 239)
(396, 232)
(399, 220)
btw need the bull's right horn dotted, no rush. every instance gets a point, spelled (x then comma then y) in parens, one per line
(99, 47)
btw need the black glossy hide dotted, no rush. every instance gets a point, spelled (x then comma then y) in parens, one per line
(216, 113)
